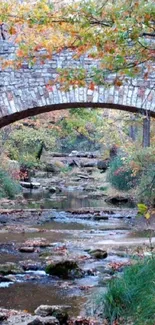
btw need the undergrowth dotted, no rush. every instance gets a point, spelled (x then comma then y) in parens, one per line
(8, 187)
(131, 296)
(120, 175)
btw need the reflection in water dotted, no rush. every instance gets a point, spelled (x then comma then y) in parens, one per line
(62, 201)
(67, 200)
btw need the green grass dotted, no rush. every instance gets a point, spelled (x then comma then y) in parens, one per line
(131, 296)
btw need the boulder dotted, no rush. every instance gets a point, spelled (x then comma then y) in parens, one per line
(52, 189)
(2, 317)
(117, 199)
(43, 321)
(103, 164)
(50, 168)
(31, 265)
(88, 164)
(57, 311)
(73, 153)
(59, 164)
(65, 269)
(98, 253)
(10, 268)
(35, 321)
(26, 249)
(54, 167)
(58, 154)
(74, 163)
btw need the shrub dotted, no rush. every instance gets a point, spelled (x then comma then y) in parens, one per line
(146, 185)
(29, 160)
(120, 175)
(142, 163)
(131, 296)
(8, 187)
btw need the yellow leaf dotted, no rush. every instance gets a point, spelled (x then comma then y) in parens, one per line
(147, 215)
(142, 208)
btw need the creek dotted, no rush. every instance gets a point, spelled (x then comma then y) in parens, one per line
(65, 234)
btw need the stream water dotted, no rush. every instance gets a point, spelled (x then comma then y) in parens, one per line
(69, 236)
(69, 199)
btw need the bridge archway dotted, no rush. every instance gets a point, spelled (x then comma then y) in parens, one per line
(16, 116)
(27, 92)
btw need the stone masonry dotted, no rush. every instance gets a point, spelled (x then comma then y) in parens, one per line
(24, 92)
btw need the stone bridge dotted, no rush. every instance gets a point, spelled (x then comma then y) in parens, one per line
(24, 92)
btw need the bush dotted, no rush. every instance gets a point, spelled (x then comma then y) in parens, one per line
(131, 296)
(142, 163)
(146, 185)
(29, 161)
(8, 187)
(120, 175)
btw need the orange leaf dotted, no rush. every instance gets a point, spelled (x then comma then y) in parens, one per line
(92, 86)
(20, 53)
(12, 30)
(117, 82)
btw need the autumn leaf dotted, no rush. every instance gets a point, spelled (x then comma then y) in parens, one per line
(102, 30)
(20, 53)
(118, 82)
(12, 30)
(92, 86)
(147, 215)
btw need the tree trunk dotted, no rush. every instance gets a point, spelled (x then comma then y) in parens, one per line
(133, 128)
(146, 131)
(133, 132)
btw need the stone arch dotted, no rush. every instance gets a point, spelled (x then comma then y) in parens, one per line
(27, 91)
(16, 116)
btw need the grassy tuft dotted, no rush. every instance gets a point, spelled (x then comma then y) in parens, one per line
(132, 296)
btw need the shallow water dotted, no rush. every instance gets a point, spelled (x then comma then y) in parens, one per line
(31, 288)
(69, 199)
(77, 233)
(28, 296)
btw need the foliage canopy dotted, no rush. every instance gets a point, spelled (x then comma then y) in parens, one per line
(120, 34)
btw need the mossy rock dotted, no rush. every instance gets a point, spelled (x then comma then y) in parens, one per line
(98, 253)
(10, 268)
(62, 316)
(64, 270)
